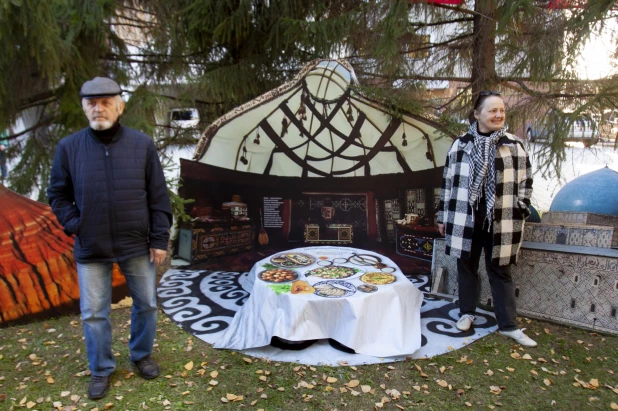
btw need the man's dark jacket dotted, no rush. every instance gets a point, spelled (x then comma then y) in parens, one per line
(114, 197)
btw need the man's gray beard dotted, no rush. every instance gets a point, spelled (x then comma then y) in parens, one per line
(101, 125)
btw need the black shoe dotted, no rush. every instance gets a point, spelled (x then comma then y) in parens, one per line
(98, 387)
(338, 346)
(148, 368)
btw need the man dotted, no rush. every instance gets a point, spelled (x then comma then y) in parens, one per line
(107, 187)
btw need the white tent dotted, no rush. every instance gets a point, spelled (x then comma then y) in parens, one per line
(320, 125)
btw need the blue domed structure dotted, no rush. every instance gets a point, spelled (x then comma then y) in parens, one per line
(595, 192)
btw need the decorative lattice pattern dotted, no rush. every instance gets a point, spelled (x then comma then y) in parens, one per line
(568, 288)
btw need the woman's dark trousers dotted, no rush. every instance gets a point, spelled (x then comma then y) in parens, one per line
(502, 287)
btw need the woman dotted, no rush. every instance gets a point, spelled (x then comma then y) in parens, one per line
(485, 199)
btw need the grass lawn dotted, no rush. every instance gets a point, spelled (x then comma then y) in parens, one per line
(43, 366)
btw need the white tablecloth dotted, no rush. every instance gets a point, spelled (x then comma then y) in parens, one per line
(382, 323)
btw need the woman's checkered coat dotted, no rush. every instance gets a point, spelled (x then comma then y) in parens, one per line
(513, 192)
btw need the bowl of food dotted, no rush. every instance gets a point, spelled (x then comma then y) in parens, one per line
(278, 275)
(333, 272)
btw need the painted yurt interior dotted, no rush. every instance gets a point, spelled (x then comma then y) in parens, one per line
(313, 161)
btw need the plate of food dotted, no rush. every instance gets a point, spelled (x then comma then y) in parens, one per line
(378, 278)
(367, 288)
(278, 275)
(292, 260)
(334, 289)
(333, 272)
(302, 287)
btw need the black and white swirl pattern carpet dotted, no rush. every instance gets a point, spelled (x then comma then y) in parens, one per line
(204, 302)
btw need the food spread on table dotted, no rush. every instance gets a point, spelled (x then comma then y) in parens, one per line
(278, 275)
(378, 278)
(329, 276)
(334, 289)
(332, 272)
(292, 259)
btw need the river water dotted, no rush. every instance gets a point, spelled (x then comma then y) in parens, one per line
(577, 162)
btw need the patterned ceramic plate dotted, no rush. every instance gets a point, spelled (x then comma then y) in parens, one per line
(292, 260)
(378, 278)
(334, 289)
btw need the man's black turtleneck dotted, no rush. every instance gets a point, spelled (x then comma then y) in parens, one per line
(106, 136)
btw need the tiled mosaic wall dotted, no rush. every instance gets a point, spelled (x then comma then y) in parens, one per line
(590, 219)
(586, 236)
(565, 287)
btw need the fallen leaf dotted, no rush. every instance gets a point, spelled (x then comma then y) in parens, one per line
(527, 357)
(189, 366)
(547, 381)
(247, 360)
(65, 393)
(594, 382)
(614, 406)
(353, 383)
(214, 374)
(213, 382)
(510, 369)
(365, 388)
(468, 404)
(50, 380)
(331, 380)
(489, 372)
(355, 393)
(495, 389)
(263, 378)
(442, 383)
(223, 399)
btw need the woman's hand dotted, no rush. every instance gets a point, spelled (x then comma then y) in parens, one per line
(441, 229)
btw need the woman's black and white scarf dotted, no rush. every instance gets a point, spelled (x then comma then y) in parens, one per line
(483, 168)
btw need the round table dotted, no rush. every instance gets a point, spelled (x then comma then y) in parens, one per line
(359, 298)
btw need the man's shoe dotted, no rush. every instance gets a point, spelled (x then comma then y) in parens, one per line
(465, 322)
(520, 337)
(98, 387)
(148, 368)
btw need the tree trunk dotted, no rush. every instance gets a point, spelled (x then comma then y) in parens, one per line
(484, 47)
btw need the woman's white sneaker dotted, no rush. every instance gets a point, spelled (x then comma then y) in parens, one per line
(465, 322)
(519, 336)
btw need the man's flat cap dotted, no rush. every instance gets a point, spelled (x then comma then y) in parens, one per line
(100, 87)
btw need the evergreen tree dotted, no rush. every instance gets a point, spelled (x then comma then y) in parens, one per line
(218, 54)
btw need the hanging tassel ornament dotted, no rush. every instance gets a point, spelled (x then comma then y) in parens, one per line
(256, 140)
(302, 111)
(243, 159)
(349, 113)
(405, 141)
(284, 127)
